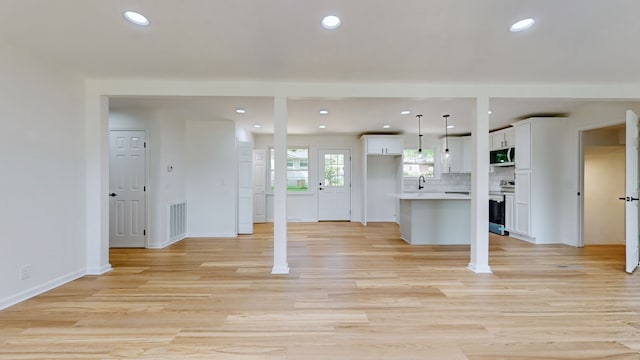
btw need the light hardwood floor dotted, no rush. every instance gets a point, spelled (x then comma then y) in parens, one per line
(354, 292)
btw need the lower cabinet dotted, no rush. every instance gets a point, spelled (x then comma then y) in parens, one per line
(509, 209)
(522, 220)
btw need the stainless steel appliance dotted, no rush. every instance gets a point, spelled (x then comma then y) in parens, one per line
(503, 157)
(496, 214)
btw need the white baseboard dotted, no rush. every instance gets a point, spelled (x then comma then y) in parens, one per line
(98, 270)
(522, 237)
(211, 235)
(393, 219)
(37, 290)
(165, 244)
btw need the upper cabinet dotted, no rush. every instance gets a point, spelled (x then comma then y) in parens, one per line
(503, 139)
(523, 137)
(383, 144)
(459, 160)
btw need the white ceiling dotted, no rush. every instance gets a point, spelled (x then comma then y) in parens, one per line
(406, 41)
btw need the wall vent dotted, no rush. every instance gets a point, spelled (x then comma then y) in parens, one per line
(177, 221)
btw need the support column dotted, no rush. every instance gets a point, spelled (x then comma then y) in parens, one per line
(480, 189)
(280, 265)
(97, 183)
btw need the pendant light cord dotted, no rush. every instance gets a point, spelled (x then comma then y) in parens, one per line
(446, 132)
(419, 134)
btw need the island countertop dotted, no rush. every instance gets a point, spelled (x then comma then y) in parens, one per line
(462, 195)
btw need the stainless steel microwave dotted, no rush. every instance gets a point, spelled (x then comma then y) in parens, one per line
(503, 157)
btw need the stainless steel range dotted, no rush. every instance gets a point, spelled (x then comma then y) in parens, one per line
(496, 207)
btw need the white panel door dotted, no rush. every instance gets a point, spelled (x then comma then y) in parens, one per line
(245, 188)
(127, 186)
(334, 190)
(631, 192)
(259, 187)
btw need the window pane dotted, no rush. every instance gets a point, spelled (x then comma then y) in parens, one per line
(334, 170)
(416, 164)
(297, 169)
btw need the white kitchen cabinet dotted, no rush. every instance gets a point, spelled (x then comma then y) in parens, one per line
(459, 160)
(523, 151)
(384, 144)
(503, 139)
(382, 177)
(540, 146)
(509, 211)
(522, 220)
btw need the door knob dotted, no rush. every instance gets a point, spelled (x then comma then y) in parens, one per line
(113, 194)
(622, 198)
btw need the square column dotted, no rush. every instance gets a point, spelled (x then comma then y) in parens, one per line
(280, 265)
(480, 189)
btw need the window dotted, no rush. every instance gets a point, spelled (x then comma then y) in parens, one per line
(334, 170)
(297, 169)
(416, 164)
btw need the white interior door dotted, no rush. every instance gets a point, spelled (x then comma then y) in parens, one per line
(259, 188)
(334, 190)
(631, 192)
(245, 188)
(127, 186)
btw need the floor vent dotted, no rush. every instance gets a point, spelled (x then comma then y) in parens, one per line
(177, 220)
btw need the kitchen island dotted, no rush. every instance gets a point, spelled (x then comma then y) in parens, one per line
(435, 218)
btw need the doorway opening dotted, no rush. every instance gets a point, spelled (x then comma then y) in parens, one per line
(603, 164)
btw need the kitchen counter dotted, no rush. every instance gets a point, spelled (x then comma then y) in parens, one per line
(435, 195)
(435, 218)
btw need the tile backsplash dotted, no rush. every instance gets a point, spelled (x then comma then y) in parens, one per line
(459, 182)
(500, 173)
(447, 182)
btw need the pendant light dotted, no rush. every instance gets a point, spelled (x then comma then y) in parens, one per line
(419, 135)
(446, 135)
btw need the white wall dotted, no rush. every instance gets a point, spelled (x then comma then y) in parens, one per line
(42, 179)
(304, 207)
(211, 161)
(604, 168)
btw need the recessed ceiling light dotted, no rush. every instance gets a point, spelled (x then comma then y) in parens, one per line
(322, 126)
(257, 126)
(450, 126)
(331, 22)
(489, 112)
(405, 112)
(522, 25)
(136, 18)
(323, 112)
(386, 126)
(241, 111)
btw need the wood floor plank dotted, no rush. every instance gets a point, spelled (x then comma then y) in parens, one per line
(354, 292)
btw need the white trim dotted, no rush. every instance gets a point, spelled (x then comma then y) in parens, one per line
(99, 271)
(166, 243)
(211, 235)
(524, 238)
(580, 133)
(393, 220)
(480, 269)
(37, 290)
(280, 270)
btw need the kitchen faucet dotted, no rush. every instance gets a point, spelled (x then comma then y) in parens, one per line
(421, 180)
